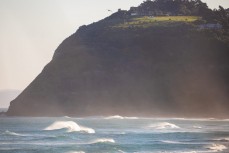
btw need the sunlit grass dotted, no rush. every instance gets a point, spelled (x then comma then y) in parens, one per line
(145, 22)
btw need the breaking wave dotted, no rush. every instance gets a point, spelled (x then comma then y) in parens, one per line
(76, 152)
(222, 139)
(12, 134)
(216, 147)
(163, 125)
(70, 126)
(197, 127)
(120, 117)
(189, 152)
(171, 142)
(176, 152)
(103, 140)
(66, 117)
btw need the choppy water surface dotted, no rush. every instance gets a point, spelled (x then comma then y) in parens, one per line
(114, 134)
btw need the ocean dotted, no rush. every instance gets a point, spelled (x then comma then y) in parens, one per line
(114, 134)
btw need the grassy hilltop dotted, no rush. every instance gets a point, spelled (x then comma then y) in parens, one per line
(147, 21)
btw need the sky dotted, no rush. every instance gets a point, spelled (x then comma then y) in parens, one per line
(31, 30)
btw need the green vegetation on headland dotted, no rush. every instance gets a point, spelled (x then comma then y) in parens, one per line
(149, 21)
(168, 18)
(170, 13)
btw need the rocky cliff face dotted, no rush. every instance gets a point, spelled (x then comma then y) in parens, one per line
(172, 70)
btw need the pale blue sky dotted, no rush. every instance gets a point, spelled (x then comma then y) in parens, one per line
(31, 30)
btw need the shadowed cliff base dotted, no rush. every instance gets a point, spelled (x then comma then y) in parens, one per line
(116, 66)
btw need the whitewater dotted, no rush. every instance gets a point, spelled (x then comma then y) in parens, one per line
(113, 134)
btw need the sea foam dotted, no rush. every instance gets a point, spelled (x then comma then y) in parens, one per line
(70, 126)
(216, 147)
(164, 125)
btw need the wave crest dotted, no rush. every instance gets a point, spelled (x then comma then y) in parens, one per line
(70, 126)
(66, 117)
(197, 127)
(171, 142)
(222, 139)
(103, 140)
(12, 133)
(164, 125)
(120, 117)
(76, 152)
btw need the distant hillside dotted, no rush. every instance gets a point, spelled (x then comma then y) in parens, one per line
(6, 96)
(134, 65)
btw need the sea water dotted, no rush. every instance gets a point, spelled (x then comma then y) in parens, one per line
(114, 134)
